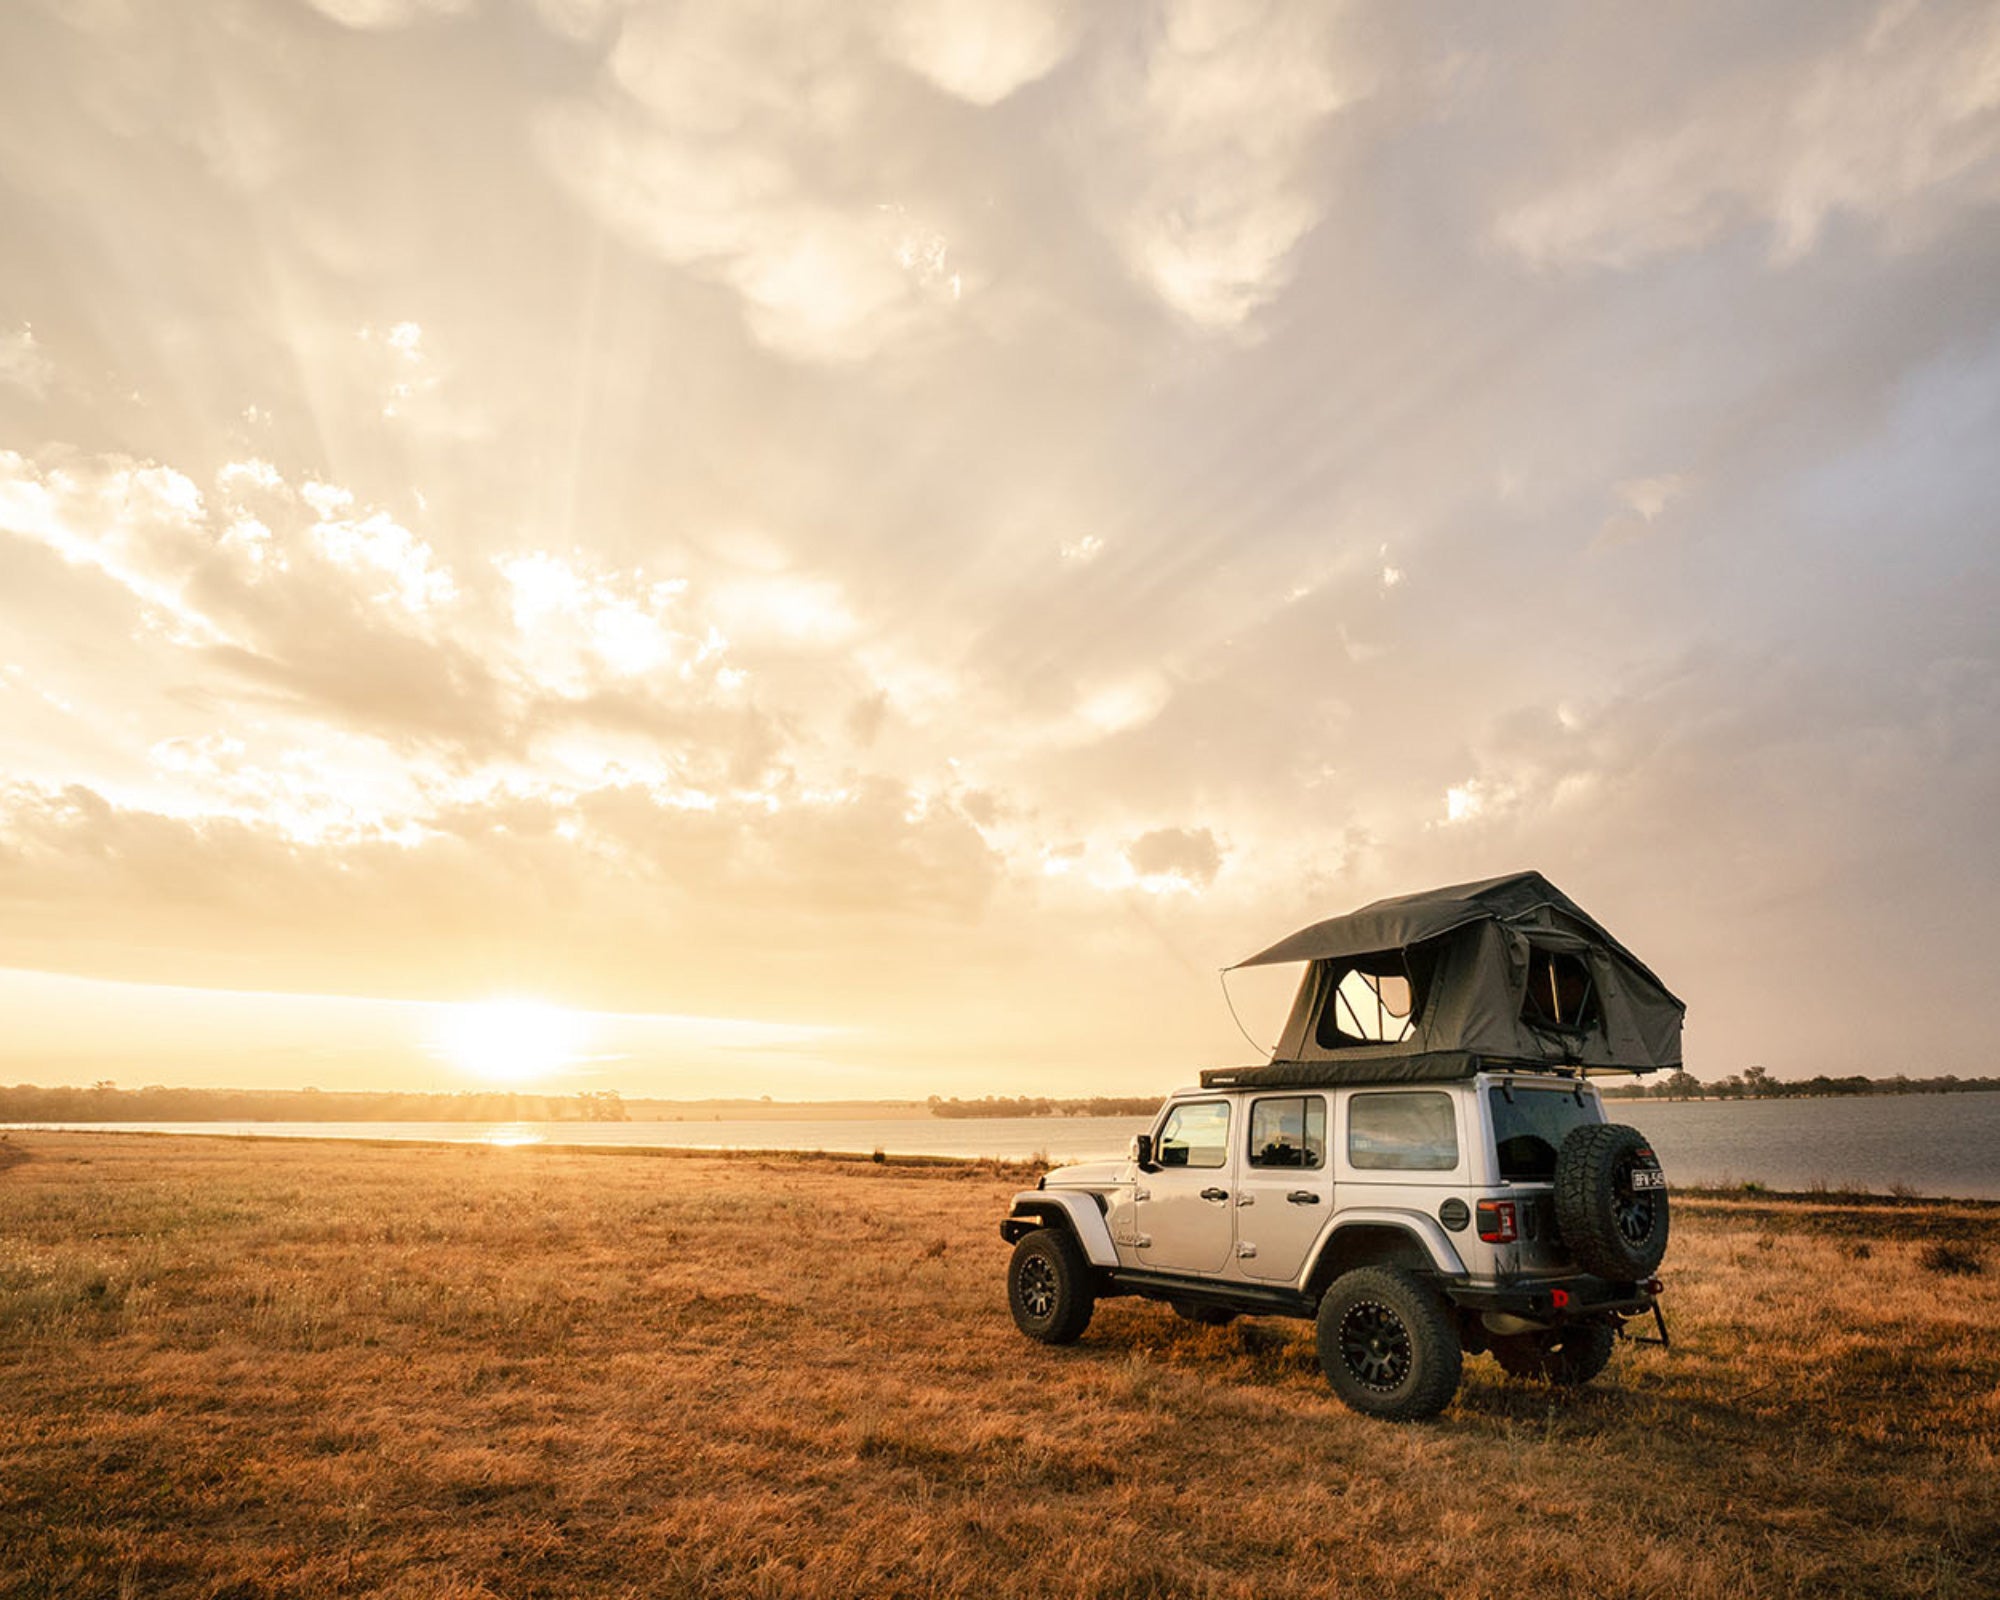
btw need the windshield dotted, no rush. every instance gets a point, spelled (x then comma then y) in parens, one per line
(1529, 1126)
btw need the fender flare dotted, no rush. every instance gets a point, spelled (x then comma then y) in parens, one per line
(1045, 1208)
(1418, 1225)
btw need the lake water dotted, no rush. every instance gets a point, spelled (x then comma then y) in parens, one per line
(1947, 1145)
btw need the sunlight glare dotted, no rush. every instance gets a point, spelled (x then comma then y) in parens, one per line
(511, 1042)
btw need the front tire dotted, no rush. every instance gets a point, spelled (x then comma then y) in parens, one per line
(1569, 1356)
(1387, 1346)
(1048, 1287)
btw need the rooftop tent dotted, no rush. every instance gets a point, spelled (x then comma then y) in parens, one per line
(1436, 985)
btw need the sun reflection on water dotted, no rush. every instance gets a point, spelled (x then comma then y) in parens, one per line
(509, 1135)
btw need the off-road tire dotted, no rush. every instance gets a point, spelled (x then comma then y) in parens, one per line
(1048, 1287)
(1570, 1356)
(1611, 1231)
(1387, 1345)
(1204, 1316)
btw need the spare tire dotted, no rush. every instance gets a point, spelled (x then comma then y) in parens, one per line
(1611, 1202)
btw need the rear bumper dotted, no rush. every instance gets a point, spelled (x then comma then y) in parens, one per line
(1551, 1299)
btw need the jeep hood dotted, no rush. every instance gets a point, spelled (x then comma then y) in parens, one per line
(1087, 1175)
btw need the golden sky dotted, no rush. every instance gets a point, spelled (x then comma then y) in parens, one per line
(872, 548)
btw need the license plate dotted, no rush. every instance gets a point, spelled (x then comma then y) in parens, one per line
(1644, 1178)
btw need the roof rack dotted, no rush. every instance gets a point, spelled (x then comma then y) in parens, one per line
(1443, 1066)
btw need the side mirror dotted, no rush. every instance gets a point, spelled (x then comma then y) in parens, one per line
(1142, 1151)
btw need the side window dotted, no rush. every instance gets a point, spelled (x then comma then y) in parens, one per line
(1288, 1133)
(1402, 1132)
(1195, 1135)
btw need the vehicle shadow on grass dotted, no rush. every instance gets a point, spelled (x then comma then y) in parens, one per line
(1261, 1353)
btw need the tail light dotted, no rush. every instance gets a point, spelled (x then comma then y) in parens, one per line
(1497, 1222)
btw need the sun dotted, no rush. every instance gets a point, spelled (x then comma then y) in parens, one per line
(511, 1042)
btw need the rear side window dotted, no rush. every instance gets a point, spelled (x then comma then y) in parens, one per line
(1288, 1133)
(1529, 1126)
(1402, 1132)
(1195, 1135)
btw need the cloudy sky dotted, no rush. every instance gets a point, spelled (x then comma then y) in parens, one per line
(870, 549)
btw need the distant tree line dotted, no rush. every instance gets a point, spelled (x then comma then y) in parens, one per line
(1003, 1105)
(105, 1102)
(1754, 1083)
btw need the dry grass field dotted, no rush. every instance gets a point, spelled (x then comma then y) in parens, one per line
(244, 1369)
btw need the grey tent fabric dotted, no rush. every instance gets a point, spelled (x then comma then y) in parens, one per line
(1468, 953)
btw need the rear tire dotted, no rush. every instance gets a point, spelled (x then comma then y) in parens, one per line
(1387, 1345)
(1569, 1356)
(1048, 1287)
(1612, 1230)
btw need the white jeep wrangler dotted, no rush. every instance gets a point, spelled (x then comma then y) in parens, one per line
(1389, 1174)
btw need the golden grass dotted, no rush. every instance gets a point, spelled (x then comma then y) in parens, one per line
(241, 1369)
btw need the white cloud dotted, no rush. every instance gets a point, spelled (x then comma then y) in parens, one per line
(576, 624)
(1211, 145)
(378, 544)
(1129, 703)
(1643, 502)
(380, 15)
(1899, 127)
(1648, 497)
(782, 609)
(981, 52)
(702, 155)
(23, 362)
(133, 522)
(1476, 798)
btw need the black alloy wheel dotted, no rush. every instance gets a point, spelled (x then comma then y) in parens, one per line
(1039, 1287)
(1387, 1344)
(1049, 1287)
(1375, 1345)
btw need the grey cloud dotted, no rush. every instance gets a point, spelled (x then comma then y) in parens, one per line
(1894, 125)
(1190, 852)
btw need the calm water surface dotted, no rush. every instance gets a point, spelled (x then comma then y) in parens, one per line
(1933, 1144)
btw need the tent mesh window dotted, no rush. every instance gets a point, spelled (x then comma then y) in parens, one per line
(1372, 999)
(1560, 993)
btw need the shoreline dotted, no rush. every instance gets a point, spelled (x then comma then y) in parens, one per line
(1747, 1197)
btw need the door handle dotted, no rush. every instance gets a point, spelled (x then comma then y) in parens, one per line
(1303, 1197)
(1215, 1194)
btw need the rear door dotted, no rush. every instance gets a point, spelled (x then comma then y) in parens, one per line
(1284, 1191)
(1187, 1208)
